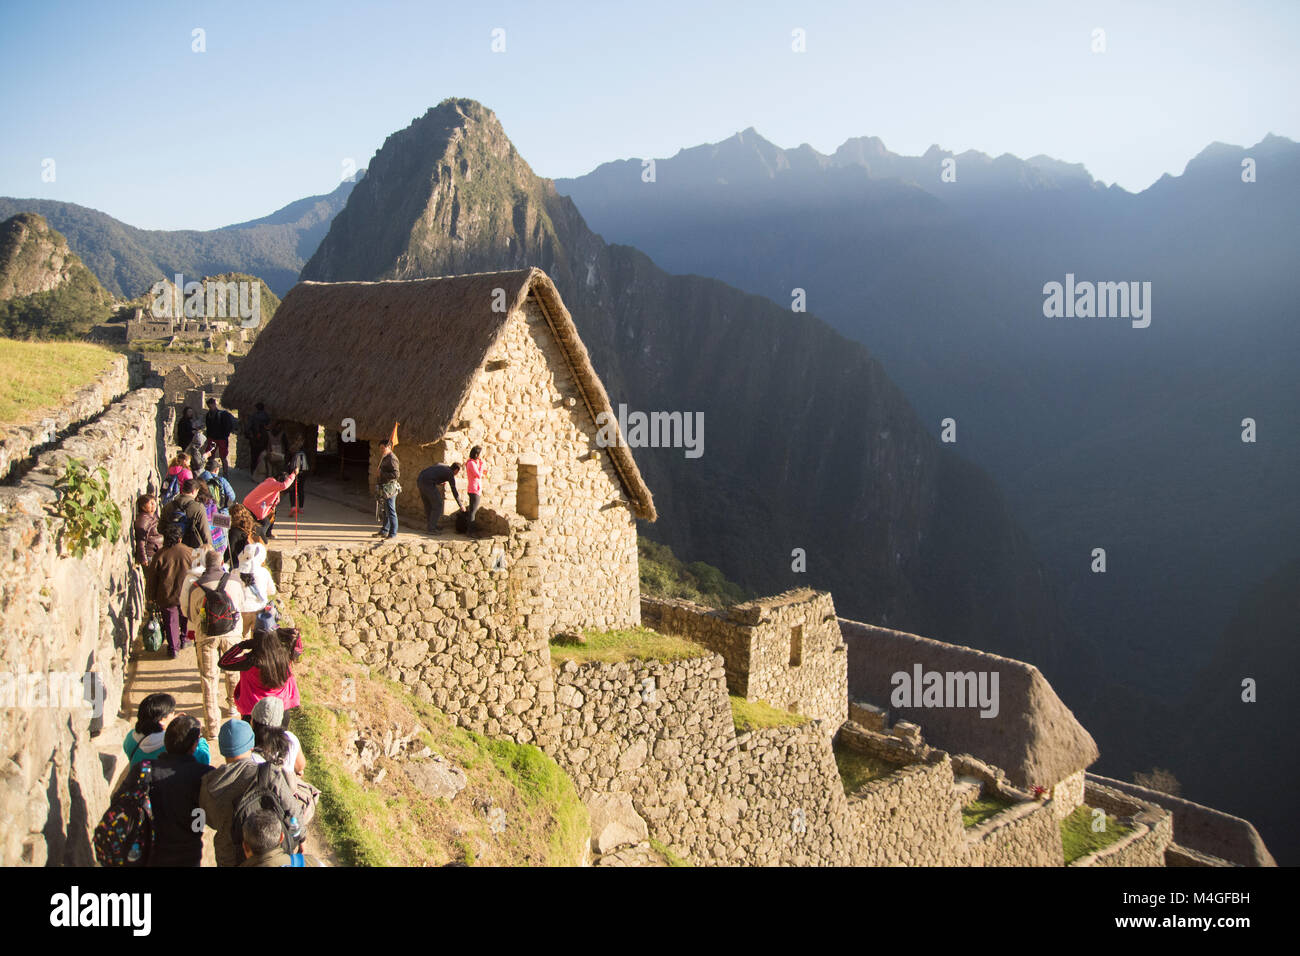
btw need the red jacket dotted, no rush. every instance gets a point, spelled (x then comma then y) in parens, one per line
(266, 496)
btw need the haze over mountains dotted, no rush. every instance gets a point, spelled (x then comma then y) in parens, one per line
(1102, 434)
(128, 261)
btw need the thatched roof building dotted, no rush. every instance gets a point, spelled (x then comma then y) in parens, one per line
(407, 350)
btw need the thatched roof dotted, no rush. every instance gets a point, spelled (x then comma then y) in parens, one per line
(405, 350)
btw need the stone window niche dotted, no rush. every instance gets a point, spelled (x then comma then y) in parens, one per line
(527, 491)
(796, 645)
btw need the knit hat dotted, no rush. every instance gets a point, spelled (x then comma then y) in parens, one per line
(251, 558)
(269, 711)
(235, 738)
(213, 569)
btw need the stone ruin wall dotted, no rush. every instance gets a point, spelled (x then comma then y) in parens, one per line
(592, 578)
(71, 616)
(760, 648)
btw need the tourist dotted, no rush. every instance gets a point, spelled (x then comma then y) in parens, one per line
(164, 579)
(265, 671)
(279, 747)
(147, 538)
(221, 489)
(263, 837)
(275, 453)
(474, 484)
(225, 787)
(185, 426)
(262, 500)
(430, 482)
(194, 452)
(243, 529)
(219, 424)
(147, 740)
(217, 519)
(174, 788)
(256, 433)
(387, 489)
(187, 513)
(212, 640)
(178, 472)
(258, 585)
(298, 463)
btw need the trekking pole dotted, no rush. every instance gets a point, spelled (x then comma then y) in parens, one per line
(295, 511)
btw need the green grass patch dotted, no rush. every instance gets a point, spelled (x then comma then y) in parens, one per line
(1078, 838)
(670, 857)
(858, 769)
(983, 809)
(626, 644)
(40, 375)
(390, 821)
(756, 714)
(664, 575)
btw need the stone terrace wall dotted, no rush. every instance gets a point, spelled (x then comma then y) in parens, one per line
(20, 440)
(756, 641)
(437, 617)
(1199, 828)
(908, 818)
(1034, 738)
(1027, 834)
(72, 616)
(1153, 829)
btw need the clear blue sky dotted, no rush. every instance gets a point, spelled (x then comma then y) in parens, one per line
(143, 128)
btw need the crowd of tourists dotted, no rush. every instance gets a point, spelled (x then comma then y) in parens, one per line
(203, 554)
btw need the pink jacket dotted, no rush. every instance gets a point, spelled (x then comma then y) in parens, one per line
(474, 476)
(265, 496)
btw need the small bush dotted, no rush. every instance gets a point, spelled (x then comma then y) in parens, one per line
(86, 506)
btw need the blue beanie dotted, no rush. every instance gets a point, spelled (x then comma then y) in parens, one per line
(235, 738)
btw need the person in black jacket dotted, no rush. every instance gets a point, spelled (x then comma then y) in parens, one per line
(390, 470)
(174, 793)
(218, 424)
(185, 426)
(430, 482)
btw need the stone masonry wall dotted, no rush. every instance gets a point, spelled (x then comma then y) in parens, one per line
(68, 616)
(785, 650)
(18, 441)
(448, 618)
(1026, 834)
(527, 413)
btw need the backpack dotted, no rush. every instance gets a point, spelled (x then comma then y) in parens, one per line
(171, 488)
(182, 523)
(220, 616)
(264, 795)
(218, 492)
(151, 632)
(124, 835)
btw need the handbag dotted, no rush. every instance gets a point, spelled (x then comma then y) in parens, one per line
(151, 635)
(388, 489)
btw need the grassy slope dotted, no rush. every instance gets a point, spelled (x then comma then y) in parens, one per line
(664, 575)
(392, 823)
(637, 643)
(1078, 839)
(38, 375)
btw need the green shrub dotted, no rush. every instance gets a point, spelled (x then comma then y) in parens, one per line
(86, 506)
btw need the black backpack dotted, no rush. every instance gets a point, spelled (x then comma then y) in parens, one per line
(265, 795)
(124, 836)
(183, 524)
(220, 616)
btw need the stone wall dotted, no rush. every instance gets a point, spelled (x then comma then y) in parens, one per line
(19, 441)
(1026, 834)
(1205, 830)
(908, 818)
(1034, 737)
(450, 619)
(1152, 828)
(785, 650)
(71, 617)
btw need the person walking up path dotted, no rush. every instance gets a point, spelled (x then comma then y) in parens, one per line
(213, 605)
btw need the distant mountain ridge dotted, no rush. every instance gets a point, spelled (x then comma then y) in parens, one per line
(128, 261)
(809, 445)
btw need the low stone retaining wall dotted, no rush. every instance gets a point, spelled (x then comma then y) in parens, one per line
(20, 441)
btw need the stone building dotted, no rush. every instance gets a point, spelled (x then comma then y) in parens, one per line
(491, 359)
